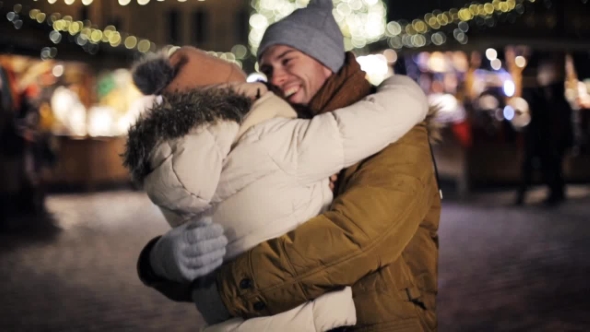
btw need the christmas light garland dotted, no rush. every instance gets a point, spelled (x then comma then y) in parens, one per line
(425, 30)
(83, 32)
(90, 37)
(362, 23)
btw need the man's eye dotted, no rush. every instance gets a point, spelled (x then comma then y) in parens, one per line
(286, 61)
(266, 72)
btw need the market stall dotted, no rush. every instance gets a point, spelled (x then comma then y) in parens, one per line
(84, 115)
(479, 96)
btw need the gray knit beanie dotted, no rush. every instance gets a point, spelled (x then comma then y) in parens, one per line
(311, 30)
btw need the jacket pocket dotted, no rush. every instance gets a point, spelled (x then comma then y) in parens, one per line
(411, 290)
(402, 279)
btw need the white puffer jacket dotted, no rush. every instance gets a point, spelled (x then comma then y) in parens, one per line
(268, 175)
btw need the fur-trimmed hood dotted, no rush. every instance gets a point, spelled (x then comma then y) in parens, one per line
(174, 117)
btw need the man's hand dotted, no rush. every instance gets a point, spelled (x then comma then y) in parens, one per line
(189, 251)
(251, 90)
(333, 180)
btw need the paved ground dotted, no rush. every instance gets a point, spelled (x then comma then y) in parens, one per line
(501, 268)
(515, 269)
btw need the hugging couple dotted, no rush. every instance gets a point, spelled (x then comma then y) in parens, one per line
(264, 237)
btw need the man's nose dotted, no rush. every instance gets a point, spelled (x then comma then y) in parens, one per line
(278, 78)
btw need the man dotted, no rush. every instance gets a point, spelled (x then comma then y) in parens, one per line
(549, 135)
(380, 234)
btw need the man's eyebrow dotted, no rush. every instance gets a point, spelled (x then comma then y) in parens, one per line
(285, 53)
(266, 67)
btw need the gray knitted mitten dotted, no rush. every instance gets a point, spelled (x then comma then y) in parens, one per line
(189, 251)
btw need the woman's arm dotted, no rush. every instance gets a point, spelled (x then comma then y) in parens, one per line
(329, 311)
(332, 141)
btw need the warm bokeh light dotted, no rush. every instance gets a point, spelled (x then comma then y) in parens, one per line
(361, 21)
(520, 61)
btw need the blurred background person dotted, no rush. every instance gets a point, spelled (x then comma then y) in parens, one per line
(24, 150)
(549, 134)
(11, 147)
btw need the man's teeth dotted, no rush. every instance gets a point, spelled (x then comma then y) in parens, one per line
(291, 92)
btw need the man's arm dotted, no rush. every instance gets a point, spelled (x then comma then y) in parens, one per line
(384, 200)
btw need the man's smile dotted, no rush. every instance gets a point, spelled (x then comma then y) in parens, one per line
(291, 91)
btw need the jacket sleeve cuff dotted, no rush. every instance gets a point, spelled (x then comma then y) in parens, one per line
(208, 300)
(144, 268)
(239, 292)
(175, 291)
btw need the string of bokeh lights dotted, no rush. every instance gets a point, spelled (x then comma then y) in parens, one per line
(83, 33)
(121, 2)
(362, 23)
(89, 37)
(423, 31)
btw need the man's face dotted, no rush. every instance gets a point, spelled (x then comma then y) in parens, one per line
(295, 73)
